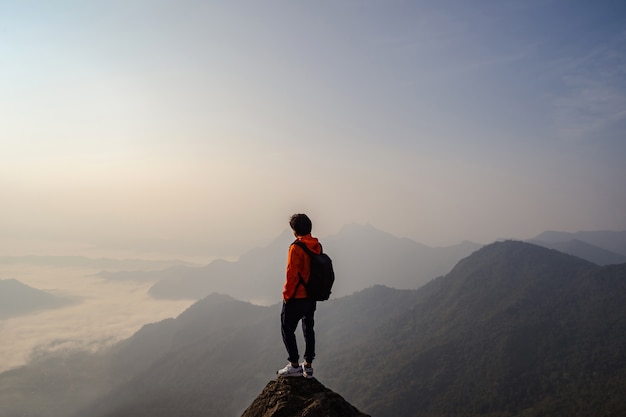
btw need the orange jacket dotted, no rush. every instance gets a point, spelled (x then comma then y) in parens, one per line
(298, 262)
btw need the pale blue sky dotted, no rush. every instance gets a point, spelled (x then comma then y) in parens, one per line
(200, 126)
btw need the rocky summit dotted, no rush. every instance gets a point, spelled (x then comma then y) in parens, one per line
(300, 397)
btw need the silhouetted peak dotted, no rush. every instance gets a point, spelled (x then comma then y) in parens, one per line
(294, 397)
(508, 250)
(510, 266)
(214, 305)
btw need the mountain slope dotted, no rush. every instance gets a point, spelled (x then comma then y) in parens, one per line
(513, 329)
(214, 357)
(199, 364)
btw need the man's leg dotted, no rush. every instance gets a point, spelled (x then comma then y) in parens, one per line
(308, 322)
(288, 323)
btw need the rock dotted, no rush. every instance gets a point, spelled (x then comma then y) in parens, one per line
(300, 397)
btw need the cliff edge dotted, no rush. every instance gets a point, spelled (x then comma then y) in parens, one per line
(300, 397)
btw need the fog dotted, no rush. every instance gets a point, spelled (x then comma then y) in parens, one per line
(105, 312)
(193, 130)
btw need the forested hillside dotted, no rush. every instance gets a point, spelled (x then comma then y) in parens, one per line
(513, 330)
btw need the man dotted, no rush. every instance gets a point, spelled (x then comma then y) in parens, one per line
(296, 304)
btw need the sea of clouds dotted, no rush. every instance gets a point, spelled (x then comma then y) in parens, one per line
(103, 313)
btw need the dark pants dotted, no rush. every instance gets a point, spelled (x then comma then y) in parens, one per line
(293, 311)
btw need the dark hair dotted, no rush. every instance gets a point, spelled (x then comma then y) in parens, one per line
(301, 224)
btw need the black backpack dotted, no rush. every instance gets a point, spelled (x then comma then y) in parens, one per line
(322, 275)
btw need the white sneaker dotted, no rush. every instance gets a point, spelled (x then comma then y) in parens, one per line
(307, 371)
(289, 370)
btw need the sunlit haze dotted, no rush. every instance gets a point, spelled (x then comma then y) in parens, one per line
(193, 129)
(104, 313)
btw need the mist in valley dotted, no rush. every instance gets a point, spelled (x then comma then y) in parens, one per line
(110, 305)
(102, 312)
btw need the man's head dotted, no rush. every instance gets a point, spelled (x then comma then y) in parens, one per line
(300, 224)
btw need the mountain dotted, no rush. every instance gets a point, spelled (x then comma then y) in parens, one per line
(17, 298)
(614, 242)
(206, 362)
(294, 397)
(514, 329)
(256, 276)
(585, 251)
(362, 256)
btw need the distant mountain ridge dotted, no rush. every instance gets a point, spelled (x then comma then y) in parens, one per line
(362, 256)
(584, 250)
(614, 243)
(17, 299)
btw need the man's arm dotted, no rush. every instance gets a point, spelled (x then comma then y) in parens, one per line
(295, 259)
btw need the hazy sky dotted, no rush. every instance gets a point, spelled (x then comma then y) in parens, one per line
(197, 127)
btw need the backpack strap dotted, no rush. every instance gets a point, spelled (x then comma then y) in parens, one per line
(306, 248)
(308, 252)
